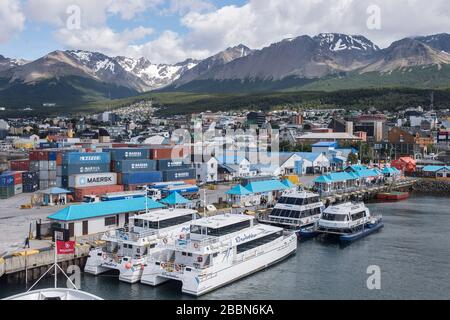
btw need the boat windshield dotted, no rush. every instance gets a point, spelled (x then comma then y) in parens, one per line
(298, 201)
(334, 217)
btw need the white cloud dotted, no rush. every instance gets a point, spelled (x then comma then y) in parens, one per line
(12, 19)
(102, 39)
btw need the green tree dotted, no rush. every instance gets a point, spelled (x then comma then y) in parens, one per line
(353, 158)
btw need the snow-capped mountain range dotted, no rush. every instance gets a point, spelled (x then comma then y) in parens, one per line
(290, 62)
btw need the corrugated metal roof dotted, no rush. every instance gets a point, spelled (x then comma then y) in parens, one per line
(105, 208)
(435, 168)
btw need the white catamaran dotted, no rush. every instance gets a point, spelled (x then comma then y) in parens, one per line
(128, 250)
(218, 251)
(297, 210)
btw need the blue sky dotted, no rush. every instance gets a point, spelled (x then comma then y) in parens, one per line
(169, 31)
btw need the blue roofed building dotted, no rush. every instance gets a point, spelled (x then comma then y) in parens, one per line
(438, 172)
(257, 193)
(97, 218)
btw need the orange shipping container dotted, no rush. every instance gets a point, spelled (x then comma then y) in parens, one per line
(177, 152)
(80, 193)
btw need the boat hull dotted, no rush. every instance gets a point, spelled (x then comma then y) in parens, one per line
(348, 238)
(195, 285)
(393, 196)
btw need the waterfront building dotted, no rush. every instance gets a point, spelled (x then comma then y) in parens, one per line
(97, 218)
(438, 172)
(256, 193)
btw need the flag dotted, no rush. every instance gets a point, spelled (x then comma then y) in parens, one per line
(65, 247)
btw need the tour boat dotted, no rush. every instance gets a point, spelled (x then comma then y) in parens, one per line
(297, 211)
(393, 196)
(218, 251)
(128, 250)
(349, 221)
(54, 294)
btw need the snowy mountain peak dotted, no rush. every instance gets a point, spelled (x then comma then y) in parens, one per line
(340, 42)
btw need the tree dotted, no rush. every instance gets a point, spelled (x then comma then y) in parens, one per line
(352, 158)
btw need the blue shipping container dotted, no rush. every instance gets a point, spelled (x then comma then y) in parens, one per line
(127, 166)
(129, 153)
(86, 158)
(140, 178)
(70, 169)
(173, 164)
(6, 180)
(176, 175)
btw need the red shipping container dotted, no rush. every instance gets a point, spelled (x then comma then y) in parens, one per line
(38, 155)
(17, 177)
(59, 159)
(191, 182)
(177, 152)
(20, 165)
(80, 193)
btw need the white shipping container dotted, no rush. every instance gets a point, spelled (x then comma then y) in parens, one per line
(52, 183)
(18, 189)
(92, 180)
(59, 171)
(43, 175)
(52, 165)
(43, 165)
(59, 182)
(52, 175)
(43, 185)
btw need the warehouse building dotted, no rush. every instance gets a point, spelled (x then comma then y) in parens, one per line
(95, 218)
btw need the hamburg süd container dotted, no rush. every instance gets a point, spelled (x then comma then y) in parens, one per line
(176, 175)
(128, 166)
(129, 154)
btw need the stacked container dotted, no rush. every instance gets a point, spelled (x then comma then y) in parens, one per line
(134, 167)
(6, 185)
(44, 162)
(20, 165)
(30, 181)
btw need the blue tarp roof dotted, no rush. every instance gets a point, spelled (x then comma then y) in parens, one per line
(356, 167)
(238, 190)
(435, 168)
(265, 186)
(326, 144)
(390, 170)
(344, 176)
(288, 183)
(175, 198)
(310, 156)
(56, 190)
(105, 208)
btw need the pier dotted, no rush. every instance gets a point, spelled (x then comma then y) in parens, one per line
(367, 193)
(29, 268)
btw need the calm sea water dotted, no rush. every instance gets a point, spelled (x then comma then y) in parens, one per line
(412, 251)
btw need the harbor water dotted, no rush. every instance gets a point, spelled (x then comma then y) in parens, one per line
(412, 253)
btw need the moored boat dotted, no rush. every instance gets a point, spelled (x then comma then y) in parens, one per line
(128, 250)
(218, 251)
(349, 222)
(297, 211)
(393, 196)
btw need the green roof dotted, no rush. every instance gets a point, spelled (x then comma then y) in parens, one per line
(104, 208)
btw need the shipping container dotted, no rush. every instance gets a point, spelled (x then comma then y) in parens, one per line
(34, 166)
(80, 193)
(173, 164)
(52, 165)
(6, 192)
(139, 178)
(67, 170)
(30, 182)
(165, 153)
(129, 166)
(6, 180)
(43, 175)
(39, 155)
(86, 158)
(177, 175)
(43, 165)
(43, 184)
(129, 154)
(20, 165)
(52, 175)
(92, 180)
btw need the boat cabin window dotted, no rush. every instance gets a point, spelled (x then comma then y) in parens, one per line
(218, 232)
(334, 217)
(258, 242)
(358, 215)
(164, 223)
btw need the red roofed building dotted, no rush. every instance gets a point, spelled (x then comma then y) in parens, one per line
(406, 164)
